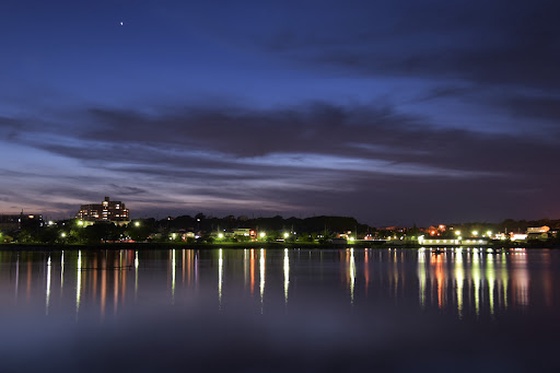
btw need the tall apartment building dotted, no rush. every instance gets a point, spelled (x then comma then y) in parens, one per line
(110, 211)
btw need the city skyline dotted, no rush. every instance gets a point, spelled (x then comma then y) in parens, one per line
(392, 113)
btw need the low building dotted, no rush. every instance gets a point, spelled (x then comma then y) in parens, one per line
(439, 241)
(538, 233)
(18, 221)
(533, 230)
(473, 241)
(106, 211)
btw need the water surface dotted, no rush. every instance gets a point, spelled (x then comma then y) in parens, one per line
(279, 310)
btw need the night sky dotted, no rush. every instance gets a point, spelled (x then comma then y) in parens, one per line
(393, 112)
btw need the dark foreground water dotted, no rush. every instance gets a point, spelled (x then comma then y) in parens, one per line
(292, 310)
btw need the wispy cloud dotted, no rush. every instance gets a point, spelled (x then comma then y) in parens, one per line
(311, 158)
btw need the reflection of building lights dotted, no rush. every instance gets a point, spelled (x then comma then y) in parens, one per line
(459, 280)
(48, 292)
(262, 276)
(286, 274)
(220, 276)
(352, 274)
(78, 280)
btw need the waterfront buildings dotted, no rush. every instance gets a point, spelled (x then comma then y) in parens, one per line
(106, 211)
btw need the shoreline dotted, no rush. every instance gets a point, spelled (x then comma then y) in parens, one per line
(258, 245)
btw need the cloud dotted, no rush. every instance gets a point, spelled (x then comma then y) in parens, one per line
(316, 158)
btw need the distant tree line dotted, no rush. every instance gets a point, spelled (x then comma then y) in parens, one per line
(208, 229)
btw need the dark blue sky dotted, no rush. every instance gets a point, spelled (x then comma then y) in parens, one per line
(394, 112)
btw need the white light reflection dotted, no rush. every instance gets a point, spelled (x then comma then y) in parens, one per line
(78, 281)
(136, 265)
(48, 291)
(491, 278)
(173, 274)
(504, 276)
(286, 275)
(61, 272)
(262, 276)
(246, 264)
(477, 278)
(352, 274)
(422, 276)
(220, 276)
(459, 280)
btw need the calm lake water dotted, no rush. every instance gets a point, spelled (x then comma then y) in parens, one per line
(280, 310)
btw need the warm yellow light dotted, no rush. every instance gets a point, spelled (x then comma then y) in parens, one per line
(262, 234)
(286, 235)
(220, 235)
(136, 223)
(489, 233)
(457, 233)
(475, 233)
(63, 235)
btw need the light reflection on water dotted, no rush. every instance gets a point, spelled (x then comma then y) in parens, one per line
(338, 297)
(464, 282)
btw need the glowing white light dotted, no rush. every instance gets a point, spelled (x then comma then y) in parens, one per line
(173, 275)
(352, 275)
(78, 281)
(286, 274)
(48, 293)
(220, 276)
(136, 265)
(262, 276)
